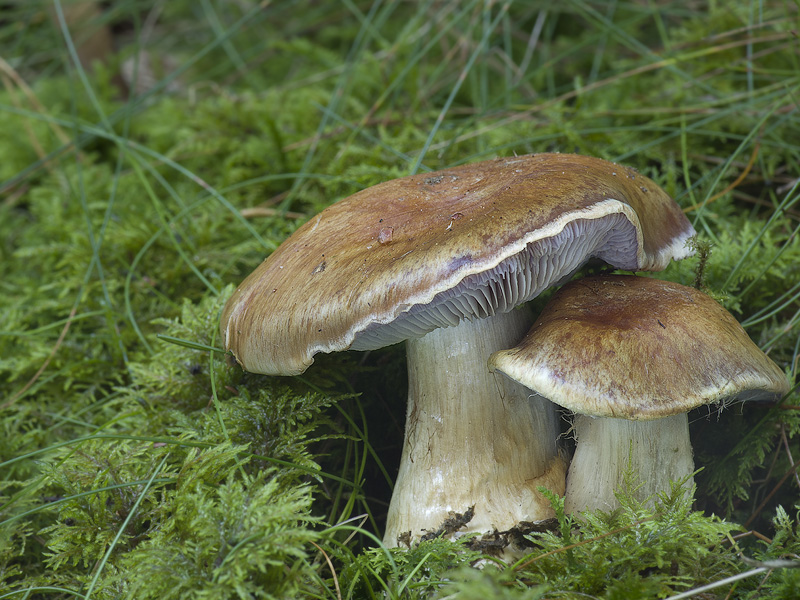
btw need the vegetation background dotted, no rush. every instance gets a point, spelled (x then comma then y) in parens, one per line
(152, 153)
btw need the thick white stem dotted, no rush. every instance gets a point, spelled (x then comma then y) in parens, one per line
(655, 452)
(472, 438)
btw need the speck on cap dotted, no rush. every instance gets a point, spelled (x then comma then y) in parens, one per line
(404, 257)
(639, 348)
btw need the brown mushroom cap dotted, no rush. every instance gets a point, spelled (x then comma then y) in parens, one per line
(639, 348)
(404, 257)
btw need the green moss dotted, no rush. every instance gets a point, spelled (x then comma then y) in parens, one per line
(247, 538)
(135, 466)
(651, 549)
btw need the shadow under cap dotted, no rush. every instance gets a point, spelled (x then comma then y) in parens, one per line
(391, 261)
(639, 348)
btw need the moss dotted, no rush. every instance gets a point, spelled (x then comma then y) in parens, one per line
(654, 548)
(143, 466)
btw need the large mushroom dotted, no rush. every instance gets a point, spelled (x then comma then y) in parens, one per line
(441, 260)
(631, 356)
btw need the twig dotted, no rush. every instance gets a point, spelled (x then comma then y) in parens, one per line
(33, 379)
(12, 74)
(10, 78)
(260, 211)
(716, 584)
(789, 452)
(771, 494)
(733, 185)
(755, 534)
(333, 570)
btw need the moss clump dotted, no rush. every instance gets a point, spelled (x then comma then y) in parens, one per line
(649, 549)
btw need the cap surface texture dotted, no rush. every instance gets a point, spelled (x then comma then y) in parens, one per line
(404, 257)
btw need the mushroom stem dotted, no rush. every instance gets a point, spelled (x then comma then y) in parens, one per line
(655, 452)
(472, 438)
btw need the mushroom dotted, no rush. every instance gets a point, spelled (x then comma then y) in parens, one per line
(441, 260)
(631, 356)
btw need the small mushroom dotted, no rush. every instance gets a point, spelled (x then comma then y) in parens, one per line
(631, 356)
(441, 260)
